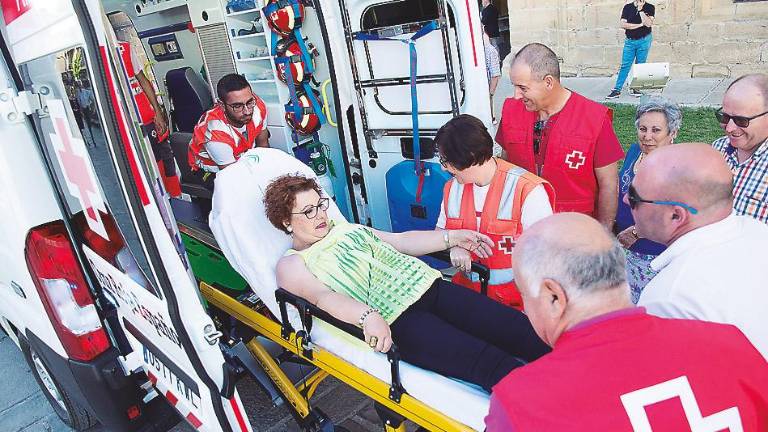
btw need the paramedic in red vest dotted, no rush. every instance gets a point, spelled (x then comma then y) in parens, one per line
(152, 116)
(561, 136)
(614, 367)
(235, 125)
(488, 195)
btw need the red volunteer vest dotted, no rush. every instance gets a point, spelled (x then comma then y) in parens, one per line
(500, 220)
(634, 371)
(146, 113)
(570, 149)
(214, 126)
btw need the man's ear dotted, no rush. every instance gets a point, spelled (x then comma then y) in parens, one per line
(555, 296)
(549, 80)
(679, 215)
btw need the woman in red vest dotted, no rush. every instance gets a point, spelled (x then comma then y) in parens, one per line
(491, 196)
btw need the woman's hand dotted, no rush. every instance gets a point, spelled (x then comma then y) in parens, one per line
(628, 237)
(377, 333)
(473, 241)
(461, 259)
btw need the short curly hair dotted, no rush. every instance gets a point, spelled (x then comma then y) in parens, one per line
(280, 197)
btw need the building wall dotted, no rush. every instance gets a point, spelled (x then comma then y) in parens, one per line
(699, 38)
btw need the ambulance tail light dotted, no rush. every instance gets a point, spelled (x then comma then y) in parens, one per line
(64, 292)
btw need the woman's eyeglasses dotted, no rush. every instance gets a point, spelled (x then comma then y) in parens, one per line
(739, 121)
(634, 199)
(311, 212)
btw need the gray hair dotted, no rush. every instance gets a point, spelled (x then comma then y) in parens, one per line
(540, 58)
(579, 272)
(671, 111)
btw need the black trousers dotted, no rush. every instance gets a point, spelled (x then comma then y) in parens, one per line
(459, 333)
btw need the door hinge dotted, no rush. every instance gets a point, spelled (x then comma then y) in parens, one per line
(15, 106)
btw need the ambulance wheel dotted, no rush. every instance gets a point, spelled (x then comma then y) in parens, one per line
(69, 411)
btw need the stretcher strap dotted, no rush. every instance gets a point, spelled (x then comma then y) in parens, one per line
(411, 42)
(420, 186)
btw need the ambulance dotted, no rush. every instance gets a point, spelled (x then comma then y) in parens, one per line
(133, 311)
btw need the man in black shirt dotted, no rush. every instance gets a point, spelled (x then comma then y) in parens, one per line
(489, 16)
(636, 20)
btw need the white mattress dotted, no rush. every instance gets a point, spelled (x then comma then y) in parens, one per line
(253, 247)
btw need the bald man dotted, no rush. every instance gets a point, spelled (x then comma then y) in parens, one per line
(715, 267)
(613, 367)
(744, 117)
(560, 136)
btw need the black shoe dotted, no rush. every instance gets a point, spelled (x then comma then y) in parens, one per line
(635, 93)
(614, 94)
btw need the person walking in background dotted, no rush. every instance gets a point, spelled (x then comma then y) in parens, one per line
(636, 20)
(493, 68)
(489, 17)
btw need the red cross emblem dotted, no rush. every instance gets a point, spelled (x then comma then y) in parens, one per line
(507, 244)
(73, 159)
(575, 159)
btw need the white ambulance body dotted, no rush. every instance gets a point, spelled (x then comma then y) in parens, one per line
(95, 284)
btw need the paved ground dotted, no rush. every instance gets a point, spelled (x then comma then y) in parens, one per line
(694, 92)
(25, 409)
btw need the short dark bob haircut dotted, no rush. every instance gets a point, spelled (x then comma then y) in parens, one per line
(464, 141)
(280, 197)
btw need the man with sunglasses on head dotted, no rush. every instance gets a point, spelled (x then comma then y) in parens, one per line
(561, 136)
(714, 267)
(744, 117)
(235, 125)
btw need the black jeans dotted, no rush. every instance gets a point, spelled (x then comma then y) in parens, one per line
(459, 333)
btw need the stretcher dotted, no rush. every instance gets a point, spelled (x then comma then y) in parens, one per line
(306, 334)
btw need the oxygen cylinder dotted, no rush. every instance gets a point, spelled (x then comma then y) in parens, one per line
(325, 182)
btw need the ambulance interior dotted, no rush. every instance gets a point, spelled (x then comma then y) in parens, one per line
(363, 155)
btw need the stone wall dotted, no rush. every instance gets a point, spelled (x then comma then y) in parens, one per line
(699, 38)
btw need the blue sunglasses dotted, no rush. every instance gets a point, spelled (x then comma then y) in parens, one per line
(634, 198)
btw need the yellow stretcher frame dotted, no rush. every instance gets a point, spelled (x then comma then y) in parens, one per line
(328, 364)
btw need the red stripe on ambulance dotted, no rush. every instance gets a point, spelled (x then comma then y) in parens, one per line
(238, 414)
(123, 132)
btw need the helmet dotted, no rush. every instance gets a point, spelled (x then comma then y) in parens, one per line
(309, 122)
(290, 48)
(282, 17)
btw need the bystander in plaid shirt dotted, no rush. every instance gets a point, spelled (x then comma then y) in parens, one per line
(492, 63)
(750, 179)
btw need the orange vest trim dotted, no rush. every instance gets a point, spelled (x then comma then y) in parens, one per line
(570, 149)
(501, 220)
(146, 112)
(214, 126)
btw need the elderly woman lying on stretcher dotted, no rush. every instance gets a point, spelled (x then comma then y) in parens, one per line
(370, 278)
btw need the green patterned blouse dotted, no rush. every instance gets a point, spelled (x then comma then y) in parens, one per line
(352, 260)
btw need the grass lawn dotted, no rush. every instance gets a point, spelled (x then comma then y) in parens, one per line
(699, 125)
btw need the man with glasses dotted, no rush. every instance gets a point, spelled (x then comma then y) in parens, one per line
(714, 267)
(561, 136)
(744, 117)
(235, 125)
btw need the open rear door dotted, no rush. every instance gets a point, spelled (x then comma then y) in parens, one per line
(414, 66)
(117, 211)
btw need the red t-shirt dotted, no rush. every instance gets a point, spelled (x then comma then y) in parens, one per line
(620, 370)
